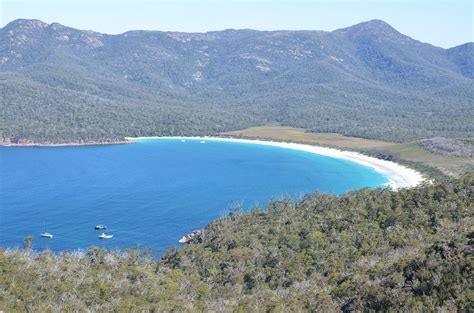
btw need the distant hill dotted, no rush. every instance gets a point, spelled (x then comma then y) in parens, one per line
(60, 84)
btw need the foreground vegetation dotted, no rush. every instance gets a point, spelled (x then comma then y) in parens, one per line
(369, 249)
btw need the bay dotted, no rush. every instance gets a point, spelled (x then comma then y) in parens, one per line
(152, 192)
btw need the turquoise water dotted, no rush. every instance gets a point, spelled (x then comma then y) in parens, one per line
(154, 191)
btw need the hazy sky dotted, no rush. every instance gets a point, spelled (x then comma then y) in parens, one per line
(440, 22)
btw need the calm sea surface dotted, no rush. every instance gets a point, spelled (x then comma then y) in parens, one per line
(154, 191)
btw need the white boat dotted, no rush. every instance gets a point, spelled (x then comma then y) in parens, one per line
(182, 140)
(45, 234)
(104, 236)
(100, 227)
(203, 141)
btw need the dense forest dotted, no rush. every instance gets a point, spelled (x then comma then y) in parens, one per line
(60, 84)
(377, 250)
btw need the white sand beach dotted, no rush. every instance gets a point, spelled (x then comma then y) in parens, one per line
(399, 176)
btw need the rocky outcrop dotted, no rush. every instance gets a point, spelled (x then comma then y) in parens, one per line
(196, 236)
(447, 147)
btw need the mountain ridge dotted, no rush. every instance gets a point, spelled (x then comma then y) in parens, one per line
(374, 23)
(359, 78)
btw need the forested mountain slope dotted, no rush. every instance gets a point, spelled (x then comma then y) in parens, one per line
(61, 84)
(377, 250)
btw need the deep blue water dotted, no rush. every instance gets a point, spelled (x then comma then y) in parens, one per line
(152, 192)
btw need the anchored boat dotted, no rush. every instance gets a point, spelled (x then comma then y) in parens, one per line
(46, 235)
(104, 236)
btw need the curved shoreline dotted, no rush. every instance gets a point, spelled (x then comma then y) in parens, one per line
(399, 176)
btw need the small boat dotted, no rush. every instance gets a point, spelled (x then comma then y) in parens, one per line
(100, 227)
(182, 140)
(46, 235)
(104, 236)
(203, 141)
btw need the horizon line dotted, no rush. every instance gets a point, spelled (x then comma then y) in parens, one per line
(227, 29)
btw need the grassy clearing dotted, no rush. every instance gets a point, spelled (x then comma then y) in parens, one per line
(408, 153)
(449, 165)
(301, 135)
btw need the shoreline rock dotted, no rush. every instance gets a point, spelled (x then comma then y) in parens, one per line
(196, 236)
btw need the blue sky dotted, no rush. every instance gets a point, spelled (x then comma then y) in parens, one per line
(440, 22)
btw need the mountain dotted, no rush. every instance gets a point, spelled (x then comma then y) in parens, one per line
(60, 84)
(462, 57)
